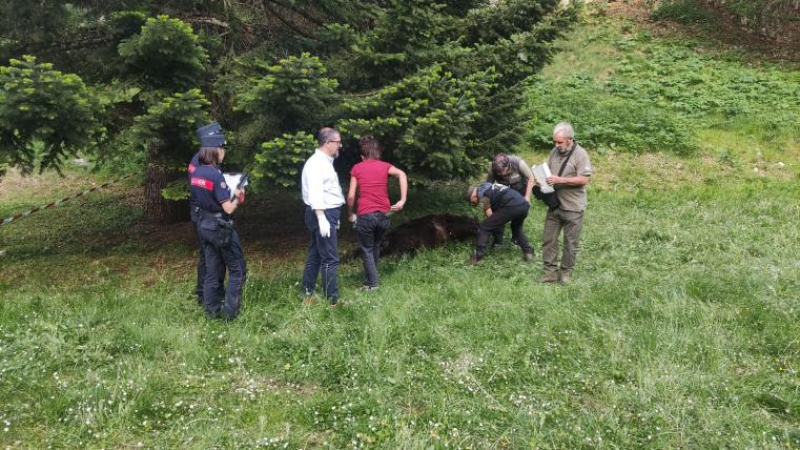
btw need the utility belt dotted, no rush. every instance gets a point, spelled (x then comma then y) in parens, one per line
(219, 217)
(218, 221)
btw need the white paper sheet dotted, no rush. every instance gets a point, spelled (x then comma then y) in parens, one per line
(541, 173)
(233, 180)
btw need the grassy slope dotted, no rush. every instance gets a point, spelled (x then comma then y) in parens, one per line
(680, 329)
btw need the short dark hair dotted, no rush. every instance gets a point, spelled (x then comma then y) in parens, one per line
(369, 147)
(326, 134)
(209, 155)
(499, 163)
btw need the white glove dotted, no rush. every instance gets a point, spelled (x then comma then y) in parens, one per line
(324, 226)
(353, 218)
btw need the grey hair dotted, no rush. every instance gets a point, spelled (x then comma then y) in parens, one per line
(326, 135)
(564, 129)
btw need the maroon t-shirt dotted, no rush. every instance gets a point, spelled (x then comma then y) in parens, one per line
(372, 176)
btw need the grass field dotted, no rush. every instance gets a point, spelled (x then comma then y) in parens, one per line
(680, 329)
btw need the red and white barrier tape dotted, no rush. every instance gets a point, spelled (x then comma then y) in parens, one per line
(58, 202)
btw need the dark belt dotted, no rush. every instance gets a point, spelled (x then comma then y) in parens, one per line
(208, 215)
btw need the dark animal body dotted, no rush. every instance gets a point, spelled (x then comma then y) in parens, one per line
(428, 231)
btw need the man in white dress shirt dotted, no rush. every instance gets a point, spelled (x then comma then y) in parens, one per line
(323, 197)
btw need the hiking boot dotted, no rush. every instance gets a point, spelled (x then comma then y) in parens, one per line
(528, 257)
(551, 277)
(566, 277)
(497, 246)
(475, 261)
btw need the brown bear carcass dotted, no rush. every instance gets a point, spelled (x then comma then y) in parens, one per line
(428, 231)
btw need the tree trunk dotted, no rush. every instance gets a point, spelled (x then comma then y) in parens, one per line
(156, 207)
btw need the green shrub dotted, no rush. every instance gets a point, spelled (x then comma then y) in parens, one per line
(45, 115)
(657, 93)
(166, 54)
(295, 93)
(172, 123)
(684, 12)
(604, 121)
(280, 160)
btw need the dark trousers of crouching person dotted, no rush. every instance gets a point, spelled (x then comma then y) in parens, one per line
(514, 214)
(371, 228)
(222, 248)
(323, 255)
(500, 231)
(571, 222)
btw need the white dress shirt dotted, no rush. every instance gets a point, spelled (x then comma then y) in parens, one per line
(321, 189)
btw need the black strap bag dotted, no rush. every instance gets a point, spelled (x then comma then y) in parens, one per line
(551, 198)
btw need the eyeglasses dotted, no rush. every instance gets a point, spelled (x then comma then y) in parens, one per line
(336, 142)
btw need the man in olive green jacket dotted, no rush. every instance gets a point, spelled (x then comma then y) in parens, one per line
(571, 190)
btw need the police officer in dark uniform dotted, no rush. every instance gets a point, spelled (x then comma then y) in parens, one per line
(221, 246)
(194, 214)
(501, 204)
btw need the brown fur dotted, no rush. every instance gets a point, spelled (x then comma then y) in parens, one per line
(428, 232)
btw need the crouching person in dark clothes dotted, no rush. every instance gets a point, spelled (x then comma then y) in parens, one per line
(512, 171)
(501, 205)
(221, 246)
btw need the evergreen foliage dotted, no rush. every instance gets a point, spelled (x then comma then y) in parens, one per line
(171, 123)
(425, 120)
(439, 86)
(166, 54)
(34, 21)
(279, 160)
(295, 94)
(438, 82)
(45, 115)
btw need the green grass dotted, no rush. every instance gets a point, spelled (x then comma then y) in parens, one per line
(680, 329)
(631, 92)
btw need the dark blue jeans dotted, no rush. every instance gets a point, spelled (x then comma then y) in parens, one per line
(219, 257)
(323, 255)
(371, 229)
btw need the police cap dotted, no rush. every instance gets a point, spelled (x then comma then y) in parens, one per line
(211, 135)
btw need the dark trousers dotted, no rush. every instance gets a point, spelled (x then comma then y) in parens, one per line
(514, 214)
(195, 214)
(371, 230)
(323, 255)
(498, 233)
(218, 258)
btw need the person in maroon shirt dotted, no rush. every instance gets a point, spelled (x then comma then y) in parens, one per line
(370, 178)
